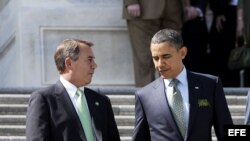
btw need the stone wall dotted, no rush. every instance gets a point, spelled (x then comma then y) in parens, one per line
(32, 29)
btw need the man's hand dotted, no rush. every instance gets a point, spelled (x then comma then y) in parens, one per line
(240, 23)
(240, 28)
(219, 22)
(134, 10)
(191, 13)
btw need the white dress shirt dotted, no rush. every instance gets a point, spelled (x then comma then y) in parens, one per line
(71, 89)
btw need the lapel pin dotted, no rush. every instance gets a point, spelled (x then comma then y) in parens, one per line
(196, 88)
(97, 103)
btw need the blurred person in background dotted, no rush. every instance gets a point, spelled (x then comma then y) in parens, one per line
(222, 39)
(243, 29)
(144, 18)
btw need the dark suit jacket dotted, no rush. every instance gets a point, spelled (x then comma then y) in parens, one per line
(154, 120)
(51, 116)
(195, 38)
(218, 6)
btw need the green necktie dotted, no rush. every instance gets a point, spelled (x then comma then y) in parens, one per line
(176, 106)
(84, 115)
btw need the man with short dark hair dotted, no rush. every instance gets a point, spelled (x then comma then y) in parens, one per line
(180, 105)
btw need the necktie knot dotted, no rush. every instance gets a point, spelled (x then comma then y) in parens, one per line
(174, 83)
(78, 92)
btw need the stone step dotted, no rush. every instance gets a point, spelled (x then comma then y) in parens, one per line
(21, 109)
(125, 131)
(16, 113)
(125, 138)
(12, 119)
(12, 130)
(122, 99)
(21, 119)
(237, 110)
(120, 120)
(13, 109)
(23, 138)
(125, 120)
(238, 119)
(115, 99)
(19, 130)
(14, 98)
(236, 100)
(12, 138)
(123, 109)
(24, 98)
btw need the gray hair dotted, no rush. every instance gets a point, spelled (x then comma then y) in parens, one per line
(68, 48)
(168, 35)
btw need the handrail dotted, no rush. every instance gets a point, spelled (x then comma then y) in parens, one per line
(5, 46)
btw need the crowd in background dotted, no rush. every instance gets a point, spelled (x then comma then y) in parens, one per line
(209, 40)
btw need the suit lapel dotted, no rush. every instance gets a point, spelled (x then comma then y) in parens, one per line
(194, 94)
(66, 103)
(160, 90)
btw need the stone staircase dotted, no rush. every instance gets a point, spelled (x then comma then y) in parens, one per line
(13, 110)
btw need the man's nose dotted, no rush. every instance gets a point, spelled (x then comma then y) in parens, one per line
(94, 65)
(160, 63)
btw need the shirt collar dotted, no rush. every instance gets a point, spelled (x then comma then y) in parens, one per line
(70, 88)
(181, 77)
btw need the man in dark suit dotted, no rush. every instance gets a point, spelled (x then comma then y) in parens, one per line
(54, 113)
(195, 35)
(144, 18)
(222, 39)
(203, 101)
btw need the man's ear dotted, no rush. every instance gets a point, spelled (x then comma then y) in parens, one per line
(183, 51)
(68, 63)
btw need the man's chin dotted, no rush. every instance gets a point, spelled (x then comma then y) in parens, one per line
(162, 72)
(87, 82)
(164, 76)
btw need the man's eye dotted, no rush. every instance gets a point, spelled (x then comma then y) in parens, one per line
(166, 56)
(155, 58)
